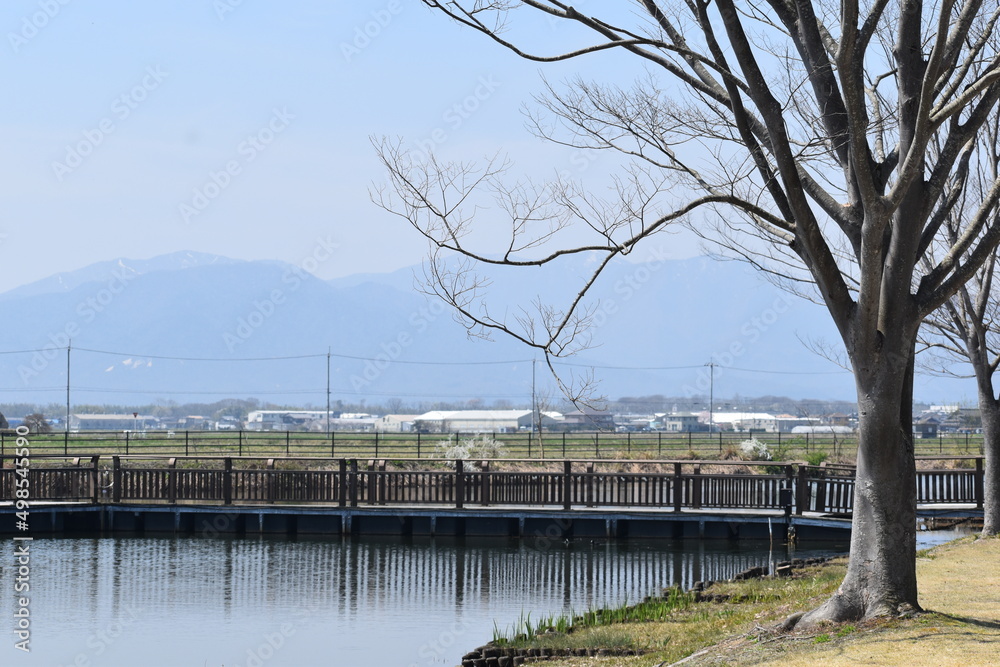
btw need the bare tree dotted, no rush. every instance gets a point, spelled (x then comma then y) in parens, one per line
(37, 423)
(829, 137)
(967, 327)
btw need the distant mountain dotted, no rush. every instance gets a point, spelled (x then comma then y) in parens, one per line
(196, 327)
(102, 271)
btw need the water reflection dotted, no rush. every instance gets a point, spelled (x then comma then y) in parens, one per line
(181, 601)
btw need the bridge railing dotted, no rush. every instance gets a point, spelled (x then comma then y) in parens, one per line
(668, 484)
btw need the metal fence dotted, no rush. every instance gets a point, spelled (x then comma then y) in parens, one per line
(523, 444)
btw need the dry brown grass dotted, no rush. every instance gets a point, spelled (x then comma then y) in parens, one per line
(959, 589)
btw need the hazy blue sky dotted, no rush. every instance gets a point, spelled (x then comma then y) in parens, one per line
(241, 127)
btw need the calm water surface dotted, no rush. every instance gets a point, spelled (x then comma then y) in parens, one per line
(248, 603)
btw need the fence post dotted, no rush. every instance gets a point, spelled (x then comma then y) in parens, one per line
(66, 442)
(590, 484)
(186, 452)
(269, 488)
(567, 484)
(371, 493)
(659, 444)
(95, 485)
(172, 481)
(116, 479)
(288, 443)
(677, 483)
(376, 444)
(227, 483)
(696, 487)
(126, 443)
(802, 491)
(353, 483)
(484, 469)
(980, 491)
(342, 491)
(790, 484)
(821, 488)
(459, 484)
(597, 448)
(381, 488)
(333, 443)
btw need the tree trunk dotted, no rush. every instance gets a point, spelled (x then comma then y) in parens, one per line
(881, 575)
(989, 408)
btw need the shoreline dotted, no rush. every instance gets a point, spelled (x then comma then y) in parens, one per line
(738, 622)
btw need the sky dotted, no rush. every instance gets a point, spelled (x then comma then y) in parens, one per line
(243, 127)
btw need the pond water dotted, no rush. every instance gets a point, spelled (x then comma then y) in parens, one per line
(254, 602)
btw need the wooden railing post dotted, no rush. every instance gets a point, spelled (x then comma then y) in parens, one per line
(567, 484)
(95, 484)
(353, 483)
(802, 491)
(227, 482)
(590, 484)
(790, 485)
(381, 482)
(172, 481)
(116, 479)
(269, 487)
(696, 487)
(677, 483)
(980, 491)
(459, 484)
(821, 488)
(484, 492)
(342, 490)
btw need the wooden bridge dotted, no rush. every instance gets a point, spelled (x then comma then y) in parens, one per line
(669, 485)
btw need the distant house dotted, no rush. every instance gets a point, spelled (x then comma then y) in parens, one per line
(681, 422)
(838, 419)
(926, 427)
(396, 423)
(588, 420)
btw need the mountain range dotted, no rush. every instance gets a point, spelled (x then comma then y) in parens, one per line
(196, 327)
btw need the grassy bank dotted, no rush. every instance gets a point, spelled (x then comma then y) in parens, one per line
(959, 589)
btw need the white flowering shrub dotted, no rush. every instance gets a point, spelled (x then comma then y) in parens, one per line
(476, 447)
(755, 450)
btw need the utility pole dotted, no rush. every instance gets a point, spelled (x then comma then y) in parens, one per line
(328, 390)
(69, 347)
(711, 396)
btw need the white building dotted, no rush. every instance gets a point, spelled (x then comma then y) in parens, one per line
(282, 420)
(481, 421)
